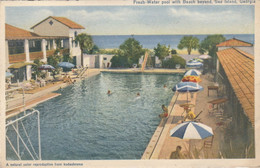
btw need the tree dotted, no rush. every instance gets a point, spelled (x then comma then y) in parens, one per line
(171, 63)
(54, 61)
(189, 42)
(94, 50)
(173, 51)
(132, 50)
(85, 43)
(35, 67)
(209, 44)
(161, 51)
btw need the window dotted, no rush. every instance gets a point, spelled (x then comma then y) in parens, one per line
(51, 22)
(105, 58)
(49, 44)
(15, 47)
(75, 34)
(34, 45)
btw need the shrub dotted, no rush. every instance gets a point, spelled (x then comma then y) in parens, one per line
(119, 62)
(171, 63)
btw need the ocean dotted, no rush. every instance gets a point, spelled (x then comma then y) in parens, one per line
(151, 41)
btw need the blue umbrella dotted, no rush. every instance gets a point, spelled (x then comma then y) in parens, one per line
(192, 72)
(195, 64)
(66, 65)
(8, 75)
(187, 87)
(191, 130)
(46, 67)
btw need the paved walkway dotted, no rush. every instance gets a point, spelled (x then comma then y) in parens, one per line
(161, 144)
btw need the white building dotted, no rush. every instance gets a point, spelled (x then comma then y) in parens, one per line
(62, 27)
(97, 61)
(23, 47)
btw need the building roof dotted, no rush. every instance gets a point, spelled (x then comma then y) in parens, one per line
(234, 43)
(64, 21)
(20, 65)
(12, 32)
(15, 33)
(239, 68)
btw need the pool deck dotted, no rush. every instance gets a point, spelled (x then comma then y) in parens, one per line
(161, 144)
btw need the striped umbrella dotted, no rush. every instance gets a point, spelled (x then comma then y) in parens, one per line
(194, 64)
(187, 87)
(195, 79)
(192, 72)
(191, 130)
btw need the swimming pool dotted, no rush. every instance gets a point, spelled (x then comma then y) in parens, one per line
(87, 124)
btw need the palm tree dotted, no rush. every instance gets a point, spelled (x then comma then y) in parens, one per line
(85, 43)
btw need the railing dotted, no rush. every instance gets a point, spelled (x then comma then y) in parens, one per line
(65, 51)
(14, 58)
(36, 55)
(49, 53)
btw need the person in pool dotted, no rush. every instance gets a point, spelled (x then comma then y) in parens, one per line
(165, 112)
(109, 92)
(164, 86)
(138, 94)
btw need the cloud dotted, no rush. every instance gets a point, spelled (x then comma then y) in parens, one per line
(202, 15)
(120, 14)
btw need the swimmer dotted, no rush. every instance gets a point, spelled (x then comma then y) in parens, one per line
(138, 94)
(164, 86)
(109, 92)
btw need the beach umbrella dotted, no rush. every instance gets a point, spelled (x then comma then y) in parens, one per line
(195, 64)
(205, 57)
(46, 67)
(187, 87)
(66, 65)
(191, 130)
(195, 79)
(8, 75)
(192, 72)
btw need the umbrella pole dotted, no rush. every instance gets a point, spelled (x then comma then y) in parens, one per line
(188, 97)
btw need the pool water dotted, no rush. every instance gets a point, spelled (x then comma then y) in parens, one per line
(84, 123)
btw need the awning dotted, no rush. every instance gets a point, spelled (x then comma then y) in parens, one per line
(20, 65)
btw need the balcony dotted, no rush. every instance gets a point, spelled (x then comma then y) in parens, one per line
(36, 55)
(65, 51)
(14, 58)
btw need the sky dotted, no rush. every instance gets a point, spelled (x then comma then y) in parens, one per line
(143, 20)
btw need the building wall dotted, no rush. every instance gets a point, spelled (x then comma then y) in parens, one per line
(6, 55)
(89, 60)
(56, 29)
(105, 61)
(74, 50)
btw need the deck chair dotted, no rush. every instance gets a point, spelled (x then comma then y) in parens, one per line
(208, 143)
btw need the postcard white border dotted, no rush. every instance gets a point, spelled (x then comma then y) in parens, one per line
(129, 163)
